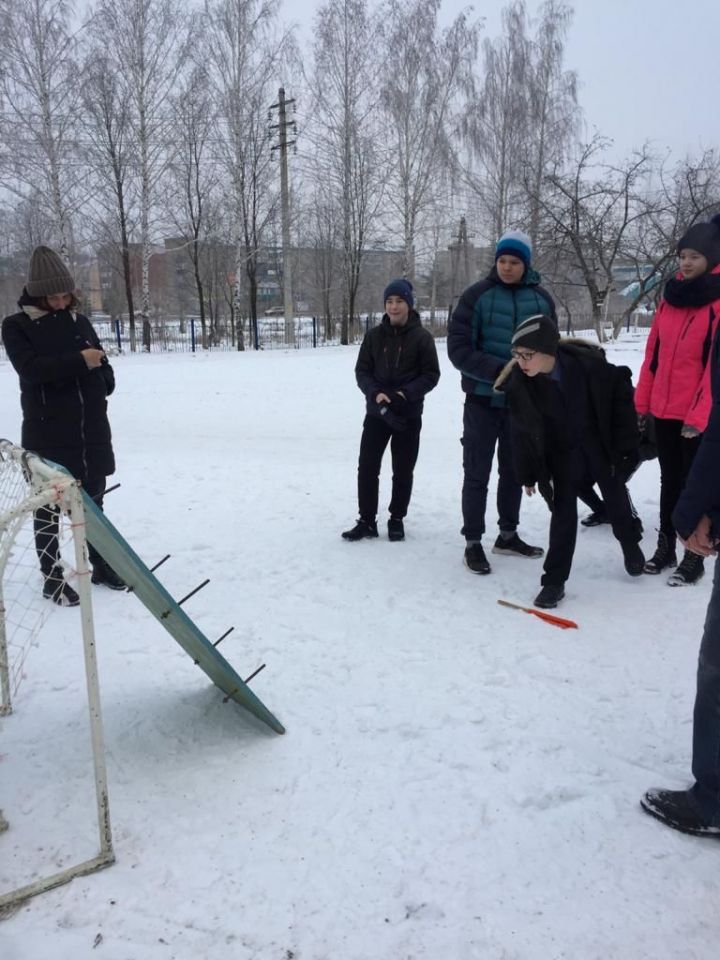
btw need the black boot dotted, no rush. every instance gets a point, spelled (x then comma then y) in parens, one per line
(363, 529)
(58, 590)
(664, 556)
(550, 596)
(691, 569)
(396, 529)
(634, 558)
(103, 573)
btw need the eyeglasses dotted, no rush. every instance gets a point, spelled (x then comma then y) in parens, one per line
(524, 355)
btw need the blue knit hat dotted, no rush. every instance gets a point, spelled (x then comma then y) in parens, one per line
(516, 244)
(400, 288)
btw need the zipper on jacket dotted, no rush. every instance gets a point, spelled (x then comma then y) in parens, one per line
(82, 429)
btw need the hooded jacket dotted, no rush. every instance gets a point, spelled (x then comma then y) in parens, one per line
(674, 382)
(64, 404)
(398, 358)
(482, 326)
(590, 395)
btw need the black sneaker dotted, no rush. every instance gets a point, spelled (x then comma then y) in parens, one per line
(103, 573)
(475, 559)
(677, 809)
(594, 519)
(663, 557)
(550, 596)
(690, 570)
(634, 559)
(515, 547)
(396, 529)
(363, 529)
(57, 589)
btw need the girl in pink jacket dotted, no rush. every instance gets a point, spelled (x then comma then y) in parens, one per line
(674, 383)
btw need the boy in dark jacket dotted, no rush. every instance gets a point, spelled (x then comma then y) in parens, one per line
(397, 365)
(572, 413)
(697, 520)
(478, 345)
(65, 379)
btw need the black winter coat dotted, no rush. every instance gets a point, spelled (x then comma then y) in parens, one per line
(596, 399)
(63, 402)
(398, 358)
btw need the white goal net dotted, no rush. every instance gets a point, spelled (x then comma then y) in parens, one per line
(43, 565)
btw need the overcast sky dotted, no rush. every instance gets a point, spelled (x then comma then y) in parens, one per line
(648, 69)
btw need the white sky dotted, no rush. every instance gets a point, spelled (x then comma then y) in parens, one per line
(648, 69)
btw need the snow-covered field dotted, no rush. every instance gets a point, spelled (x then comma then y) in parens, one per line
(458, 780)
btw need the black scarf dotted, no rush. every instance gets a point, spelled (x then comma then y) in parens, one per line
(697, 292)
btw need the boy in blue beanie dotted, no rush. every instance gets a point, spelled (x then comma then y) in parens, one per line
(397, 365)
(478, 344)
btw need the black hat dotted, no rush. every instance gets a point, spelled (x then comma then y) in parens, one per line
(400, 288)
(705, 238)
(536, 333)
(48, 274)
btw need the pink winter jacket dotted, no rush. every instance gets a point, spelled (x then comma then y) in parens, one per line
(674, 381)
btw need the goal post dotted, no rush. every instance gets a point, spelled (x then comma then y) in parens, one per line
(29, 484)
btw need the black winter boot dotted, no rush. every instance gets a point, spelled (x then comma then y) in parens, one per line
(363, 529)
(58, 590)
(550, 596)
(595, 519)
(677, 809)
(634, 558)
(104, 573)
(396, 529)
(663, 557)
(475, 559)
(691, 569)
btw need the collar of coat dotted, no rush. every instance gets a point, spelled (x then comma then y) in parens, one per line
(35, 313)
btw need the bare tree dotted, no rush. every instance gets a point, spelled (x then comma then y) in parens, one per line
(425, 86)
(345, 144)
(109, 152)
(496, 126)
(589, 210)
(146, 40)
(40, 91)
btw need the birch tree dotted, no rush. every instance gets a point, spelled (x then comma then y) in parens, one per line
(428, 79)
(247, 54)
(146, 40)
(346, 147)
(40, 93)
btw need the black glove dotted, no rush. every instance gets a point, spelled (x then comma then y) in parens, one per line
(392, 419)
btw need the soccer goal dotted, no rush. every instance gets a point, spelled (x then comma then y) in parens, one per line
(34, 498)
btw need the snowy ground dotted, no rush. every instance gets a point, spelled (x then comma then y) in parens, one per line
(458, 780)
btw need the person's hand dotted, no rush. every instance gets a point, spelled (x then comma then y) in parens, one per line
(699, 541)
(689, 432)
(92, 357)
(530, 491)
(382, 398)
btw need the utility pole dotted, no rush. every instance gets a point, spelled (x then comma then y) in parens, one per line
(282, 127)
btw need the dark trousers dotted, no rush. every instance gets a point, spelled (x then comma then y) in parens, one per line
(568, 470)
(46, 523)
(675, 455)
(484, 428)
(404, 447)
(706, 725)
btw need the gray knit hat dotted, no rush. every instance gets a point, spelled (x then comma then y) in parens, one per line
(48, 274)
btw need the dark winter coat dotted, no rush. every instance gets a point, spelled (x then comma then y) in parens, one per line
(701, 495)
(398, 358)
(552, 416)
(482, 326)
(63, 402)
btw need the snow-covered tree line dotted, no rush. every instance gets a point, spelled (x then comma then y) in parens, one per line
(136, 120)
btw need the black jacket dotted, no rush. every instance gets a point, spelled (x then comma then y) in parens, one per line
(592, 399)
(398, 358)
(701, 494)
(63, 402)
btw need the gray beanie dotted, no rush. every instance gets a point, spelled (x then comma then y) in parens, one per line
(47, 274)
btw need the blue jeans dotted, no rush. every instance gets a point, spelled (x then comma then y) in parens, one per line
(484, 427)
(706, 725)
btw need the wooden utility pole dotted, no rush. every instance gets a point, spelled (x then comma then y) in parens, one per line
(282, 145)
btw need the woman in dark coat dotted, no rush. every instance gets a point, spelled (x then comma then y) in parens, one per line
(65, 379)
